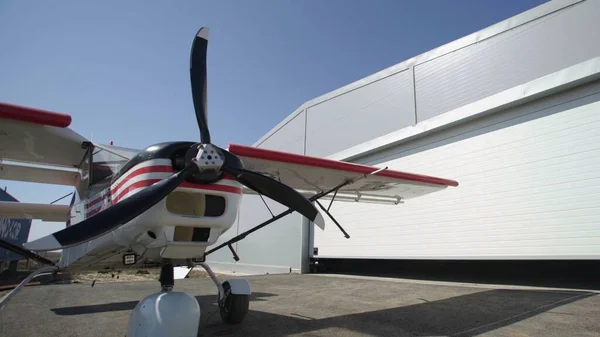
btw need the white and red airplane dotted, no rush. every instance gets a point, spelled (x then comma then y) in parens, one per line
(167, 204)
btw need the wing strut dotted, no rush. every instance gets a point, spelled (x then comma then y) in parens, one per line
(29, 254)
(289, 211)
(24, 252)
(4, 300)
(332, 218)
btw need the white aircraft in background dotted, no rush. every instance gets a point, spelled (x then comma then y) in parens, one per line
(165, 205)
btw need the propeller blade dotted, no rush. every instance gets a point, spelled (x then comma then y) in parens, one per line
(114, 216)
(198, 79)
(277, 191)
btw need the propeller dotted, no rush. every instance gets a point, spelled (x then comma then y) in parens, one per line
(204, 161)
(262, 184)
(198, 81)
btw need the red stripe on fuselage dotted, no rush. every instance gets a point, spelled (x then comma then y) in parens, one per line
(152, 169)
(143, 170)
(97, 200)
(149, 182)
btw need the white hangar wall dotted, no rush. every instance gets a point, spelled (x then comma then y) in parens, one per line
(496, 110)
(529, 186)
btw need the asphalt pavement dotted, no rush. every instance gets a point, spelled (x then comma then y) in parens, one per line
(318, 305)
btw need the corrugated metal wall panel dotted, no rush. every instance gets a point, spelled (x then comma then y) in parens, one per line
(506, 60)
(535, 197)
(359, 115)
(278, 244)
(529, 188)
(290, 138)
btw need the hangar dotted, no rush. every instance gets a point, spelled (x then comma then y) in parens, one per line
(511, 112)
(15, 231)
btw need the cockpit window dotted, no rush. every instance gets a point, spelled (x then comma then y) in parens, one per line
(108, 160)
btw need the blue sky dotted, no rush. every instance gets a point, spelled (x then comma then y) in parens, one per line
(121, 68)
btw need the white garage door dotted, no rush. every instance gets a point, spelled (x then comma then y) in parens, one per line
(529, 188)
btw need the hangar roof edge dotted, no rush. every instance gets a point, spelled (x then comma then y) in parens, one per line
(486, 33)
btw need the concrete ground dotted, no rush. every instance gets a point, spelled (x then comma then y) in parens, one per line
(319, 305)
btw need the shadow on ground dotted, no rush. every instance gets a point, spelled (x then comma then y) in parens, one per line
(130, 305)
(465, 315)
(331, 306)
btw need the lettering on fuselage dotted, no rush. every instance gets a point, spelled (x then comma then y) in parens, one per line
(9, 229)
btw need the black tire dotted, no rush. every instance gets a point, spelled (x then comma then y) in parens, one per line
(233, 308)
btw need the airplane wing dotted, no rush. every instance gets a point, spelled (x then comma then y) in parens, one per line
(36, 174)
(39, 137)
(37, 146)
(311, 175)
(45, 212)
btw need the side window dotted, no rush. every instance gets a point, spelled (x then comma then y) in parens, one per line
(105, 163)
(84, 170)
(74, 199)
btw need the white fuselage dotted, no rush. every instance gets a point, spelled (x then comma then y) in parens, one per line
(179, 227)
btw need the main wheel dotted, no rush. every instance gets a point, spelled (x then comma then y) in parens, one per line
(233, 308)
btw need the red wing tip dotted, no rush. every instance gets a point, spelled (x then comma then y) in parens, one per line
(266, 154)
(34, 115)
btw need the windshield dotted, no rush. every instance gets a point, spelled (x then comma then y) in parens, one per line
(108, 160)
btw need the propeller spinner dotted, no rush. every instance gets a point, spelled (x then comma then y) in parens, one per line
(202, 159)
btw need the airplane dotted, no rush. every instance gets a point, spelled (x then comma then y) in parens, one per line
(168, 204)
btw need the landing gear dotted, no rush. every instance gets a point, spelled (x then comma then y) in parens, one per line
(176, 313)
(166, 313)
(233, 297)
(167, 277)
(233, 308)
